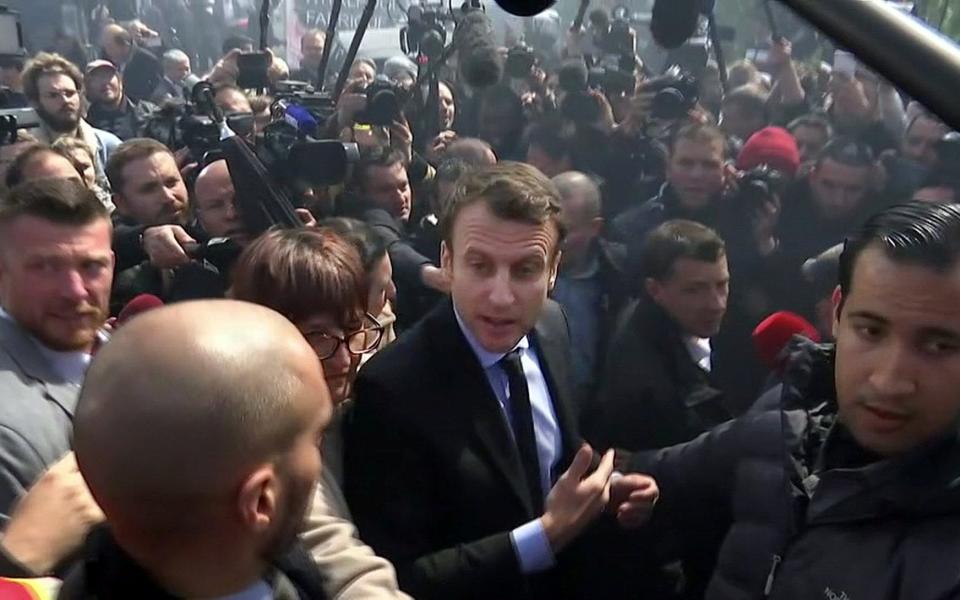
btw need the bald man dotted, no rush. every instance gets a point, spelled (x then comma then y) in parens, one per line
(214, 202)
(198, 432)
(473, 151)
(590, 284)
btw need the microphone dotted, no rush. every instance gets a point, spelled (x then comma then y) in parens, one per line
(525, 8)
(302, 119)
(480, 64)
(774, 333)
(673, 22)
(139, 304)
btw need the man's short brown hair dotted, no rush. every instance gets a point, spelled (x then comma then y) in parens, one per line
(128, 152)
(16, 172)
(61, 201)
(44, 64)
(678, 239)
(512, 191)
(699, 133)
(301, 273)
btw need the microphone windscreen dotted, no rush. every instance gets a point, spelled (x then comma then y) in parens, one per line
(525, 8)
(480, 62)
(139, 304)
(572, 76)
(774, 333)
(673, 22)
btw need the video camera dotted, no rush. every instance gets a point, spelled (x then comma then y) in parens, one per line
(759, 185)
(14, 119)
(677, 92)
(426, 31)
(615, 75)
(521, 59)
(385, 102)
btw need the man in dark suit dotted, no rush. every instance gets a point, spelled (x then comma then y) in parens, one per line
(463, 464)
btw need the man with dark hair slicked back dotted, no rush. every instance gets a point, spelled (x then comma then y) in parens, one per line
(842, 481)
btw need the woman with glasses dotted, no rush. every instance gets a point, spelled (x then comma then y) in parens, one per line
(381, 292)
(316, 279)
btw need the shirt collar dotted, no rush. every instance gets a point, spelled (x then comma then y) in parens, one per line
(699, 349)
(69, 365)
(487, 359)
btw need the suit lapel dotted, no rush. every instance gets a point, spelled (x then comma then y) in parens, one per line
(24, 352)
(552, 343)
(476, 401)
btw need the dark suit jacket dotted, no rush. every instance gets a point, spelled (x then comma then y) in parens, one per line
(652, 395)
(432, 474)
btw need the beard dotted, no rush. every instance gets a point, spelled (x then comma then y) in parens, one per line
(290, 522)
(79, 339)
(60, 122)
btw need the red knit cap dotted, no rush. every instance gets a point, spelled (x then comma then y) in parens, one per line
(773, 146)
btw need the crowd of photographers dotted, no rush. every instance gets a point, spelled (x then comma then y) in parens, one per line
(694, 204)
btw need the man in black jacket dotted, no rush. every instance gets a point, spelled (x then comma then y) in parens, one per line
(203, 466)
(381, 196)
(657, 388)
(463, 463)
(110, 108)
(843, 481)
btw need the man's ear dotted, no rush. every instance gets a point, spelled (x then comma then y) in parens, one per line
(120, 203)
(446, 258)
(653, 288)
(258, 499)
(554, 268)
(837, 300)
(596, 226)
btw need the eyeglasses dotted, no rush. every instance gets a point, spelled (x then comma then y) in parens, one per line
(358, 342)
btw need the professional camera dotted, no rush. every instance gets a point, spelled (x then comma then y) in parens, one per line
(294, 156)
(180, 125)
(425, 32)
(759, 185)
(615, 75)
(300, 93)
(520, 62)
(677, 93)
(385, 101)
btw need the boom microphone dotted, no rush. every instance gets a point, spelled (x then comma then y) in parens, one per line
(774, 333)
(480, 64)
(673, 22)
(525, 8)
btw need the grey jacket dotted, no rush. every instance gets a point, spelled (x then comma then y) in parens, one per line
(36, 414)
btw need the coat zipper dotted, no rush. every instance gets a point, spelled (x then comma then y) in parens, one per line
(777, 559)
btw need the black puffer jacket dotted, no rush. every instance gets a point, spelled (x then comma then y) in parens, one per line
(814, 515)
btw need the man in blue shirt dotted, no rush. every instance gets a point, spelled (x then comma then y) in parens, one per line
(463, 463)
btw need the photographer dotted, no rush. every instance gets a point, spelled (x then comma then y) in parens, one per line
(380, 195)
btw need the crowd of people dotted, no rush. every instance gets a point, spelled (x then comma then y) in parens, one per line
(520, 350)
